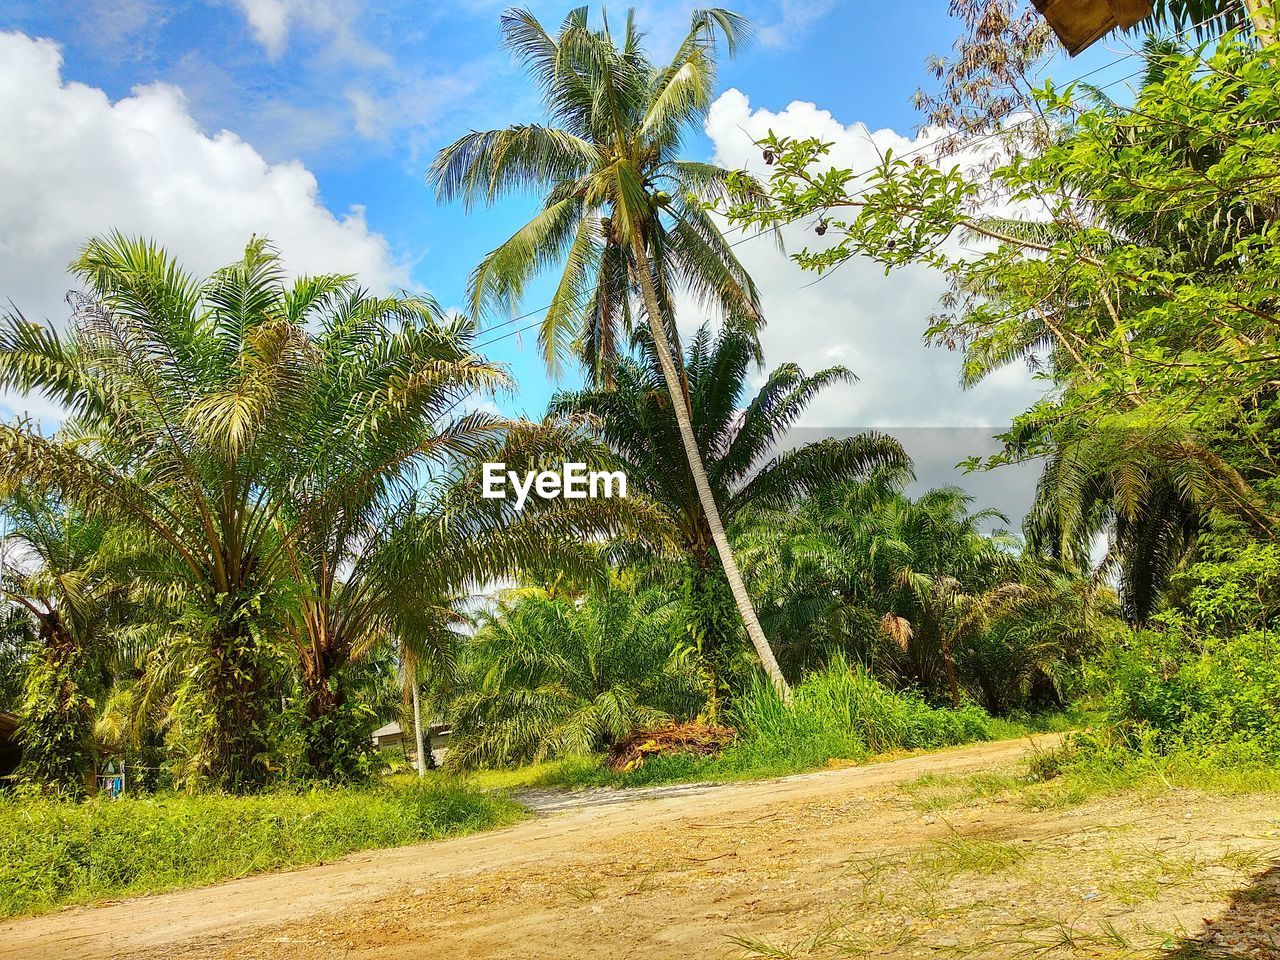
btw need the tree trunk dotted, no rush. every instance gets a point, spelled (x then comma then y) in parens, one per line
(234, 688)
(56, 729)
(421, 758)
(1263, 15)
(949, 665)
(680, 408)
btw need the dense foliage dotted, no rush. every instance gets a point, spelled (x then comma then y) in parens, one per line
(260, 531)
(1207, 677)
(556, 675)
(261, 486)
(1132, 267)
(747, 463)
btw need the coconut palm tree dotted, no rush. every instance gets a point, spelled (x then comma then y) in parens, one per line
(622, 213)
(747, 465)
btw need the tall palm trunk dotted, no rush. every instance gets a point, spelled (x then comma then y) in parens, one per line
(233, 742)
(1263, 14)
(420, 760)
(56, 732)
(680, 407)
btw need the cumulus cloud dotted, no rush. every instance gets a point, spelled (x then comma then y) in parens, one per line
(871, 323)
(75, 164)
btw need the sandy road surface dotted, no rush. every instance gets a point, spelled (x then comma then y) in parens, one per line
(668, 875)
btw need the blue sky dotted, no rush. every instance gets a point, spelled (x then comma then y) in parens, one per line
(200, 122)
(364, 93)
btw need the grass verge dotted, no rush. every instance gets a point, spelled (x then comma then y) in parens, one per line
(1069, 776)
(54, 853)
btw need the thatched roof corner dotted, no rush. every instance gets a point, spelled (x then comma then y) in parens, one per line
(1079, 23)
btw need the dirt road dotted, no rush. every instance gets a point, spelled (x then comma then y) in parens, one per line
(701, 872)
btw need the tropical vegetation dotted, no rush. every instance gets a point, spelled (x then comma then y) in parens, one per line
(260, 531)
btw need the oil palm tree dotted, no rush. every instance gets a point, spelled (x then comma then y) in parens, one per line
(747, 464)
(1021, 643)
(391, 565)
(173, 431)
(896, 581)
(374, 400)
(550, 676)
(60, 575)
(17, 643)
(230, 423)
(1152, 488)
(622, 213)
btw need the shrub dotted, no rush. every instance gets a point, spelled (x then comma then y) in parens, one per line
(54, 852)
(843, 711)
(1165, 691)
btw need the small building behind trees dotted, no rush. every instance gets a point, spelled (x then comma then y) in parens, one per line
(393, 737)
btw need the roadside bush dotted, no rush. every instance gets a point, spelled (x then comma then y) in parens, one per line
(1166, 691)
(843, 711)
(55, 852)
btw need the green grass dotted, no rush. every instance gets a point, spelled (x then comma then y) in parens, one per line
(960, 854)
(1085, 777)
(934, 792)
(1070, 776)
(54, 852)
(1021, 724)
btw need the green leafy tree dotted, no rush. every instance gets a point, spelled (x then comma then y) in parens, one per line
(748, 464)
(622, 213)
(1136, 278)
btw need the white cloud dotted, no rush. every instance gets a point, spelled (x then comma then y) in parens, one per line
(794, 19)
(272, 21)
(871, 323)
(855, 315)
(75, 164)
(269, 20)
